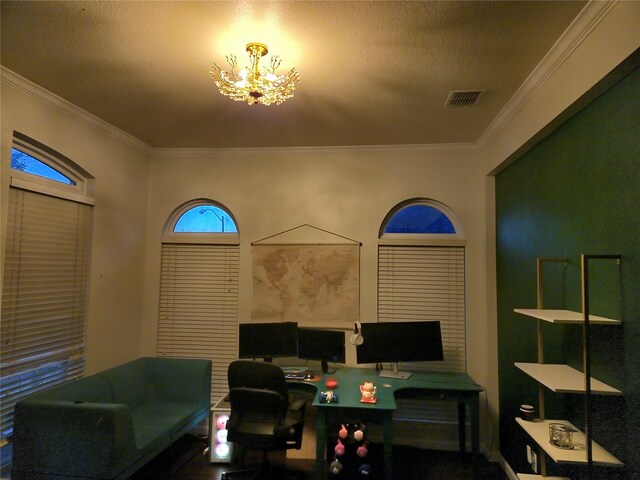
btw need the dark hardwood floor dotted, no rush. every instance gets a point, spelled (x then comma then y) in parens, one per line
(185, 461)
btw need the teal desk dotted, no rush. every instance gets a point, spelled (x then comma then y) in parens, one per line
(457, 387)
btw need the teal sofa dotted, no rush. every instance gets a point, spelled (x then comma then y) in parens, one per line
(108, 425)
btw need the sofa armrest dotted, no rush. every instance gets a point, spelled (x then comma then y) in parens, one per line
(72, 439)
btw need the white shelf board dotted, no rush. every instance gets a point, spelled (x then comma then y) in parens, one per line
(527, 476)
(538, 430)
(564, 379)
(564, 316)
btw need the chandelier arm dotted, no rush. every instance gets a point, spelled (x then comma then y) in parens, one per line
(275, 63)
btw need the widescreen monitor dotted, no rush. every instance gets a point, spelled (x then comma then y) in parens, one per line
(268, 340)
(395, 342)
(324, 345)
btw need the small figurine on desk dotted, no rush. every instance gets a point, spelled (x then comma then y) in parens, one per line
(368, 391)
(328, 397)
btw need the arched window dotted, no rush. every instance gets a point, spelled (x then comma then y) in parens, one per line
(419, 219)
(198, 312)
(205, 218)
(424, 218)
(201, 220)
(421, 260)
(24, 162)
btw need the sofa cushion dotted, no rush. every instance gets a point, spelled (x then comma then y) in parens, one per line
(171, 416)
(130, 383)
(151, 437)
(172, 381)
(92, 389)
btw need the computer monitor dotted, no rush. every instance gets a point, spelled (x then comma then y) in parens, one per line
(324, 345)
(268, 340)
(400, 342)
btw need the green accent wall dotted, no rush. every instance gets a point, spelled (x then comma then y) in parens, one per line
(576, 192)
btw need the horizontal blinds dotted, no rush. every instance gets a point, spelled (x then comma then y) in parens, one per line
(44, 296)
(417, 283)
(429, 411)
(198, 314)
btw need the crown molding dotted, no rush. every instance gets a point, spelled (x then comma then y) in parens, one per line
(50, 100)
(588, 19)
(311, 151)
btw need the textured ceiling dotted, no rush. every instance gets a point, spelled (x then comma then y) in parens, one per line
(373, 73)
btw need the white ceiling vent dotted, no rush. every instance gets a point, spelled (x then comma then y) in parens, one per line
(463, 98)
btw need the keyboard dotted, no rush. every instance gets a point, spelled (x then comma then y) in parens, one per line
(295, 376)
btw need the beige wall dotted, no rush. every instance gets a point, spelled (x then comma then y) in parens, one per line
(344, 190)
(119, 166)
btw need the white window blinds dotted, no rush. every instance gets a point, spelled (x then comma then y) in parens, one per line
(44, 296)
(425, 283)
(198, 315)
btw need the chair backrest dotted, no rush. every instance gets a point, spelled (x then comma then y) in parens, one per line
(252, 374)
(259, 402)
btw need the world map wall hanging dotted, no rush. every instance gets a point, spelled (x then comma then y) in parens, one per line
(314, 284)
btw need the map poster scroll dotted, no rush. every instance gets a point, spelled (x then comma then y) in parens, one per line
(313, 284)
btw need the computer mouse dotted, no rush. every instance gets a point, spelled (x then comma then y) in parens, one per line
(308, 376)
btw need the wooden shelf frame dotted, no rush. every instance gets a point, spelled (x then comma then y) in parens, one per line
(586, 348)
(565, 379)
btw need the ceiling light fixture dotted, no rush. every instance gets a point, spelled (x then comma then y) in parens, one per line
(253, 84)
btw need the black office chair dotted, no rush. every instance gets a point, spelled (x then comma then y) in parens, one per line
(261, 417)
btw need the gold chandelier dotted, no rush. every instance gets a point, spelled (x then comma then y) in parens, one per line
(253, 84)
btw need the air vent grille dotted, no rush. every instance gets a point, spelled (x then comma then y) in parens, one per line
(463, 98)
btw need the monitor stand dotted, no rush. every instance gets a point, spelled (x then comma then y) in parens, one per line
(395, 373)
(325, 366)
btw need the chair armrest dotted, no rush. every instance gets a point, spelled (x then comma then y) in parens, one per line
(295, 421)
(297, 405)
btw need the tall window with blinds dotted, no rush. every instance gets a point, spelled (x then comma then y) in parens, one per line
(421, 275)
(421, 283)
(46, 275)
(198, 312)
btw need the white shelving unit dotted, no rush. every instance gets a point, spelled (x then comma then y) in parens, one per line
(566, 379)
(539, 431)
(564, 316)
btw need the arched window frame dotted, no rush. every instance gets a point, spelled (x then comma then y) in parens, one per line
(457, 238)
(83, 186)
(227, 238)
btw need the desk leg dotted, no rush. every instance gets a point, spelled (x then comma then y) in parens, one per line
(474, 418)
(462, 431)
(387, 438)
(321, 441)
